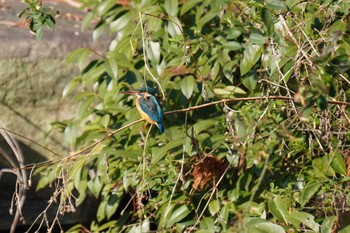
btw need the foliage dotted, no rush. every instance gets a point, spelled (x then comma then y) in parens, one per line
(38, 17)
(265, 166)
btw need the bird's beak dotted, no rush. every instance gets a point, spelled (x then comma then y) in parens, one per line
(132, 92)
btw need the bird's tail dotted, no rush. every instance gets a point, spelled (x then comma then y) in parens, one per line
(160, 127)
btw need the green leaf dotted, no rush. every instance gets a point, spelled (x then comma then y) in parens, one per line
(278, 209)
(170, 7)
(104, 6)
(307, 219)
(251, 55)
(229, 69)
(48, 176)
(187, 86)
(160, 153)
(327, 224)
(250, 80)
(112, 205)
(338, 163)
(174, 26)
(179, 214)
(123, 61)
(70, 86)
(276, 5)
(207, 223)
(98, 31)
(121, 22)
(105, 121)
(267, 18)
(101, 210)
(310, 189)
(232, 45)
(111, 67)
(153, 53)
(229, 91)
(106, 226)
(95, 186)
(188, 5)
(257, 38)
(39, 33)
(345, 230)
(50, 23)
(79, 56)
(214, 12)
(262, 226)
(214, 207)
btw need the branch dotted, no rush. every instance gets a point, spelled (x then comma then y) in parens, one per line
(285, 98)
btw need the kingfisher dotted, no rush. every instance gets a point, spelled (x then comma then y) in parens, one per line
(148, 106)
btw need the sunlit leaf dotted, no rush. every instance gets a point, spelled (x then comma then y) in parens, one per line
(251, 55)
(179, 214)
(187, 86)
(278, 208)
(327, 224)
(214, 207)
(310, 189)
(338, 163)
(297, 218)
(250, 80)
(263, 226)
(121, 22)
(276, 5)
(345, 230)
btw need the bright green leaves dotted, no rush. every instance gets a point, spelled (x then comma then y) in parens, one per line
(276, 5)
(251, 55)
(338, 163)
(188, 5)
(38, 17)
(210, 14)
(111, 65)
(327, 224)
(214, 207)
(179, 214)
(310, 189)
(104, 6)
(187, 86)
(153, 53)
(121, 22)
(278, 209)
(229, 70)
(329, 165)
(171, 7)
(250, 80)
(79, 56)
(298, 218)
(258, 225)
(107, 207)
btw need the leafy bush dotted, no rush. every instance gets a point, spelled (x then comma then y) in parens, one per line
(257, 124)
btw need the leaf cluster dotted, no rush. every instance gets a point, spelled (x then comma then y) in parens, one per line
(38, 17)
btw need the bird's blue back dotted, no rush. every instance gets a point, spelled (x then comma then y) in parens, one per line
(153, 109)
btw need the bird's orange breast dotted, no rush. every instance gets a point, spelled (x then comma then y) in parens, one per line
(143, 114)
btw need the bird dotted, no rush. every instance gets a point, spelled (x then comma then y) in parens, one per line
(148, 106)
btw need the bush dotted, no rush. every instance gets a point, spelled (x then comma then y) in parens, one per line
(255, 95)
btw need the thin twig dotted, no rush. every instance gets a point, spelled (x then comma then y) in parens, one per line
(285, 98)
(145, 59)
(295, 41)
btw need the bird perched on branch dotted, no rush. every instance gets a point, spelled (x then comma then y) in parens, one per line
(148, 106)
